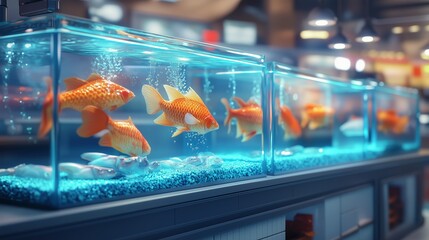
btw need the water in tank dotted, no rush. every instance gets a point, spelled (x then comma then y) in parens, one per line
(317, 120)
(93, 112)
(394, 119)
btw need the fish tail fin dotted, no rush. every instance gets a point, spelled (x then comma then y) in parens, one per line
(94, 120)
(152, 98)
(228, 116)
(46, 118)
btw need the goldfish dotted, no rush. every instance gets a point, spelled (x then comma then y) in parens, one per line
(390, 122)
(185, 112)
(122, 135)
(79, 93)
(316, 116)
(249, 118)
(288, 122)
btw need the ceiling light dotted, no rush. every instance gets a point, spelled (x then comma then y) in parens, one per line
(360, 65)
(321, 17)
(414, 28)
(425, 54)
(367, 34)
(339, 41)
(397, 30)
(314, 34)
(342, 63)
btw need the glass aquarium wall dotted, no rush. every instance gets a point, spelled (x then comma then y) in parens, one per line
(317, 121)
(394, 120)
(92, 112)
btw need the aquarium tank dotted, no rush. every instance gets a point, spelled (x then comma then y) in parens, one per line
(317, 120)
(394, 119)
(93, 112)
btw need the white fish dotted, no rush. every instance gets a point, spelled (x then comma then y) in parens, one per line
(214, 162)
(353, 127)
(80, 171)
(195, 161)
(122, 164)
(28, 170)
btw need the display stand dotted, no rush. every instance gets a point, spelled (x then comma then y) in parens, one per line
(356, 197)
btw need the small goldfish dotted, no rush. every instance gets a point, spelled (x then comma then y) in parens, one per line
(122, 135)
(316, 116)
(288, 122)
(79, 93)
(185, 112)
(249, 118)
(390, 122)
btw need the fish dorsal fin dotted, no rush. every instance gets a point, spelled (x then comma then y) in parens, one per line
(73, 83)
(191, 94)
(129, 120)
(190, 119)
(173, 93)
(94, 77)
(240, 102)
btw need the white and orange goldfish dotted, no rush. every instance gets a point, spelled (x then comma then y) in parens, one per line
(316, 116)
(249, 118)
(122, 135)
(79, 93)
(185, 112)
(390, 122)
(288, 122)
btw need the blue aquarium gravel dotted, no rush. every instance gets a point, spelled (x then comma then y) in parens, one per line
(76, 192)
(314, 158)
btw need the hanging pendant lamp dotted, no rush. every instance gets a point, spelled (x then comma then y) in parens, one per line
(367, 33)
(321, 16)
(339, 41)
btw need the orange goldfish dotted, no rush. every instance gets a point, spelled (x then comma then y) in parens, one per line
(249, 118)
(288, 122)
(185, 112)
(80, 93)
(390, 122)
(316, 116)
(122, 135)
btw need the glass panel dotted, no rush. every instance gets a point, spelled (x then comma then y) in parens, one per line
(317, 121)
(137, 113)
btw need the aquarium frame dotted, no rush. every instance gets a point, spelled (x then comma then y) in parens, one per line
(54, 22)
